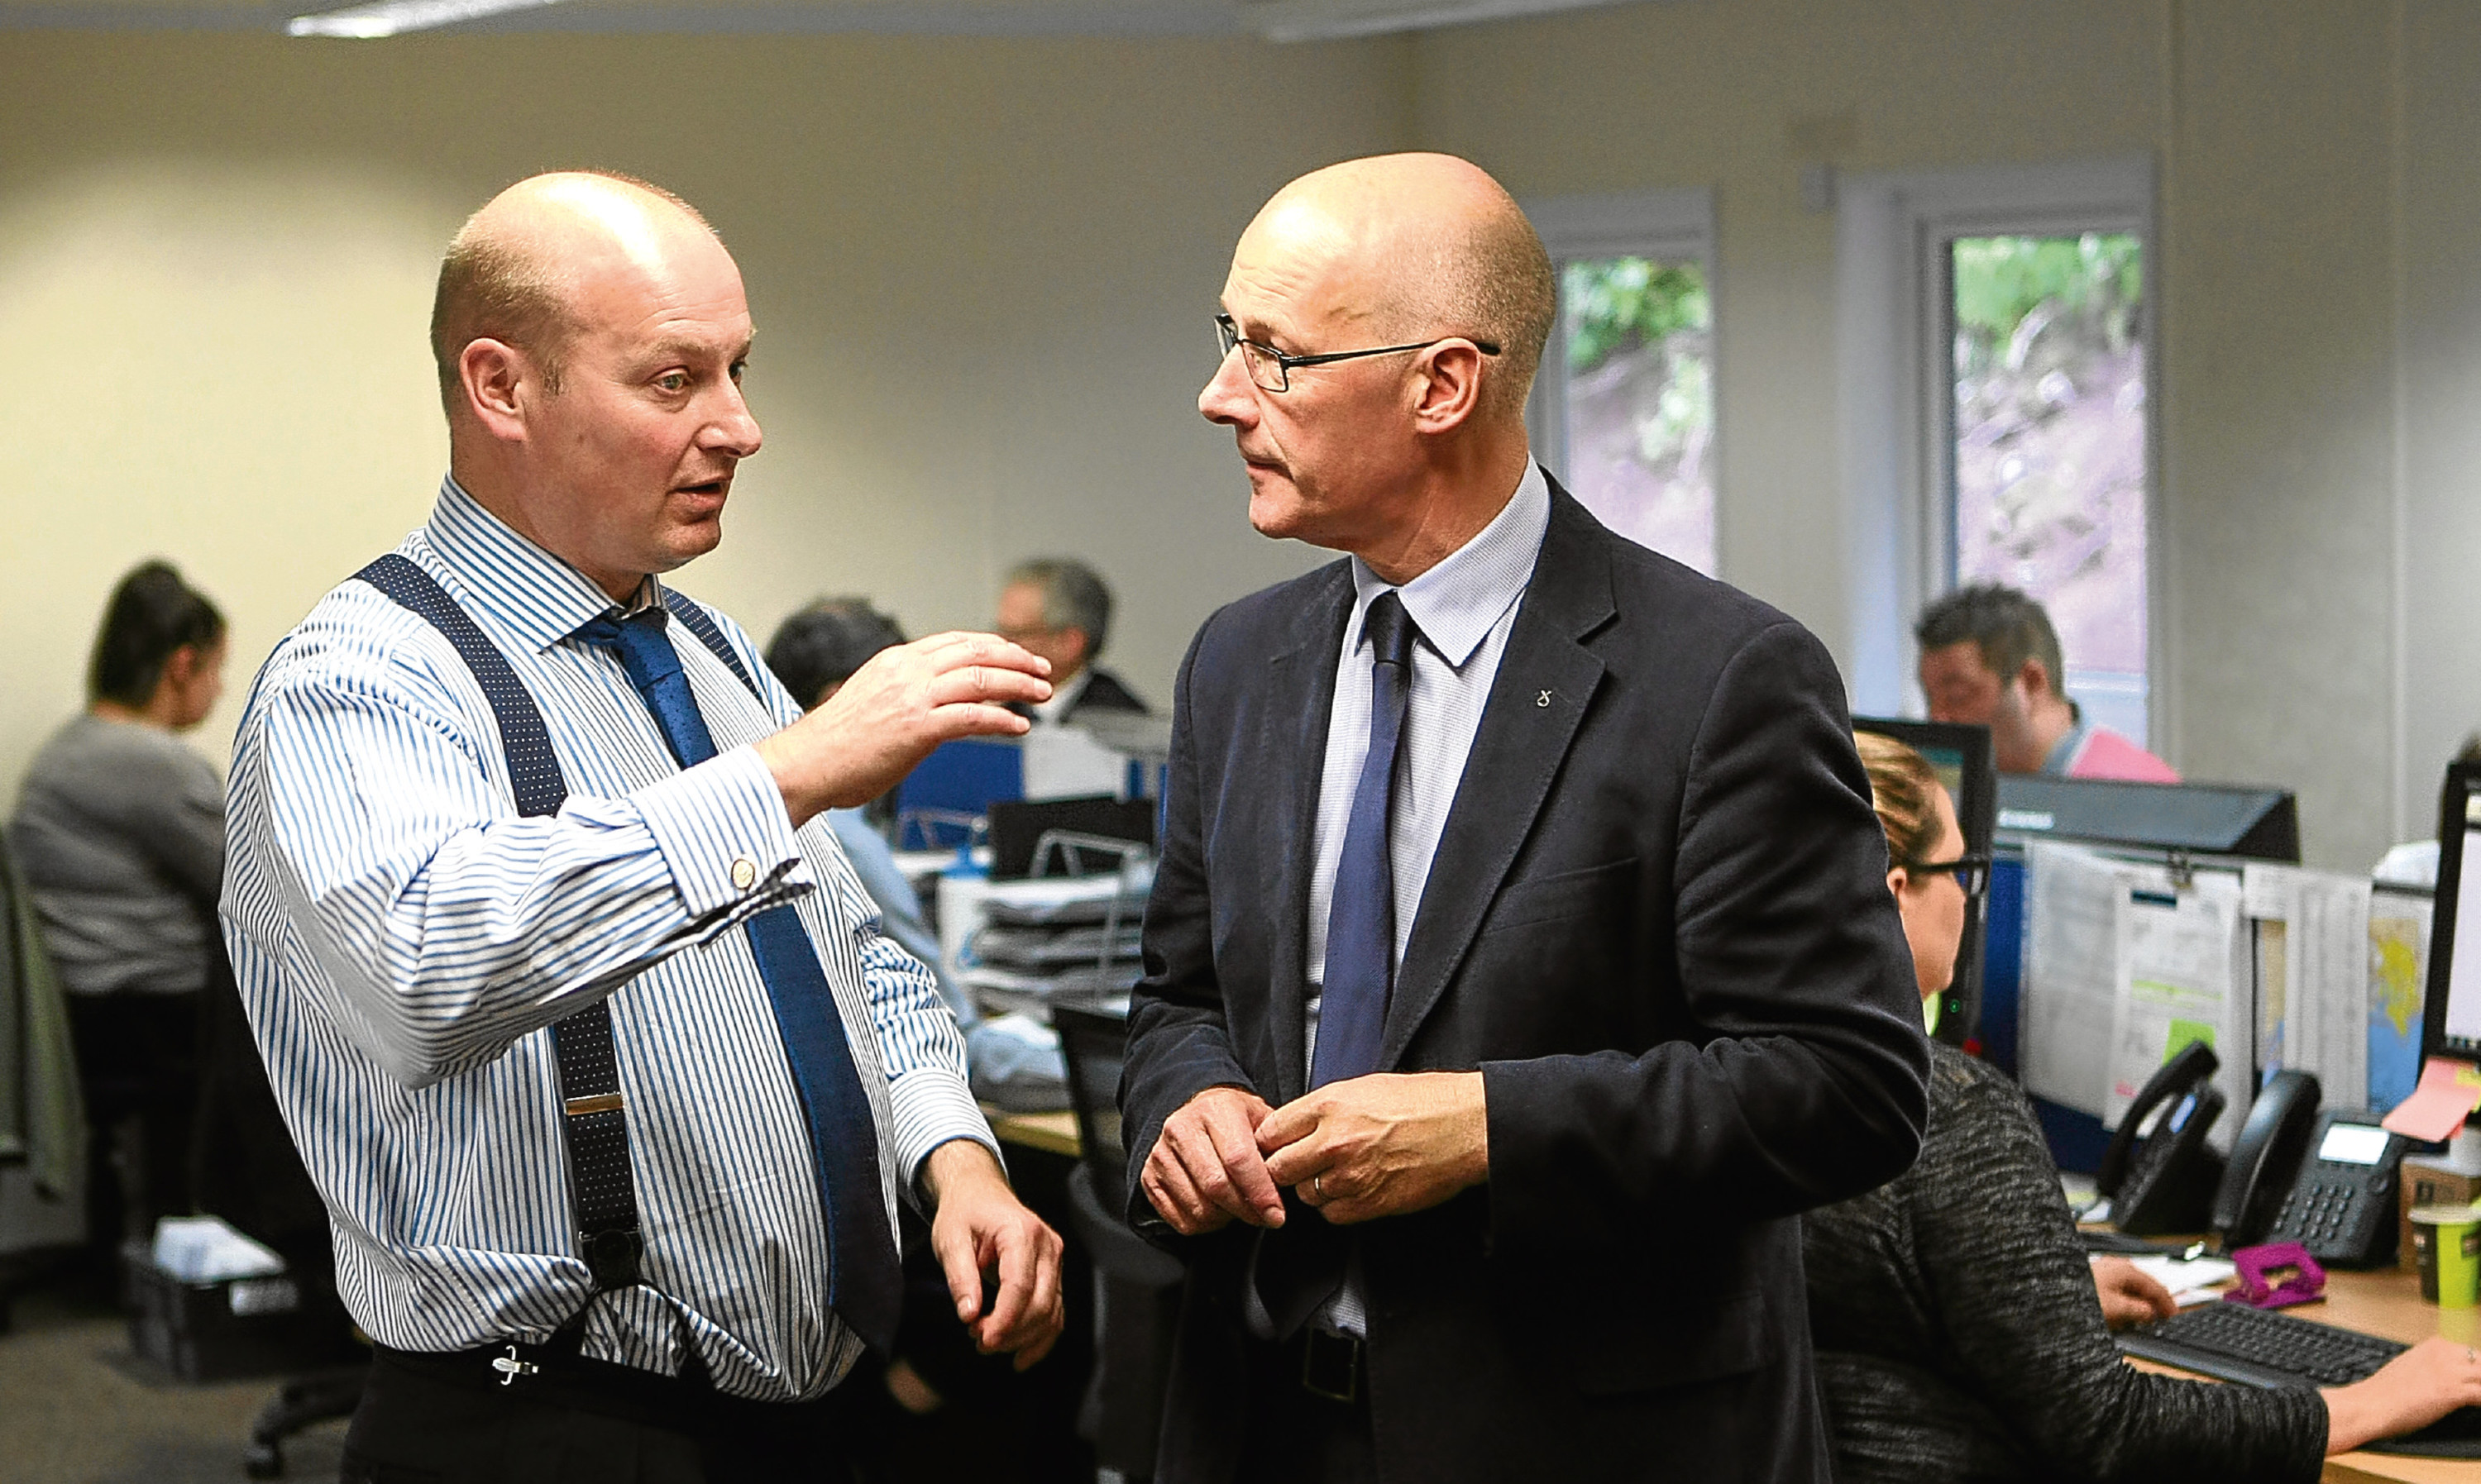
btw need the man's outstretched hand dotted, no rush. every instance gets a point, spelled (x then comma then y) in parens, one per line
(888, 716)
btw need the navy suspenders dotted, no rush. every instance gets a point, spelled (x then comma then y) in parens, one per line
(605, 1193)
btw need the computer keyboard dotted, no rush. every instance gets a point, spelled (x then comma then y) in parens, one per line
(2259, 1348)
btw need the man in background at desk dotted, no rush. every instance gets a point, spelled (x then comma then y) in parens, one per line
(1990, 658)
(505, 782)
(1058, 608)
(1520, 958)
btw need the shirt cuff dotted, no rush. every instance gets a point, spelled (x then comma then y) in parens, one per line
(931, 1107)
(722, 829)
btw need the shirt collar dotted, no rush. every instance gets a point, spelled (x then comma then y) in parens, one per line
(1063, 695)
(1456, 603)
(529, 592)
(2063, 752)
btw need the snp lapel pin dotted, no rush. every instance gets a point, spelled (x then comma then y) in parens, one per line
(1543, 701)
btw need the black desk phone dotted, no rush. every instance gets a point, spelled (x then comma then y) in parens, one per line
(2326, 1180)
(2158, 1172)
(2342, 1206)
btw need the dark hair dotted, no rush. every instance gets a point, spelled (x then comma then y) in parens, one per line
(823, 643)
(2007, 627)
(1073, 597)
(152, 615)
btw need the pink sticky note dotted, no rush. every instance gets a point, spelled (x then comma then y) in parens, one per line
(2449, 1092)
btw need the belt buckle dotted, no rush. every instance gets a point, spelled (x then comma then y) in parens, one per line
(1331, 1365)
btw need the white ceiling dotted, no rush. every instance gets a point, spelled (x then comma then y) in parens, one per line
(1281, 19)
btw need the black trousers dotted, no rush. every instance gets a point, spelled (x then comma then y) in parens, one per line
(447, 1419)
(138, 1064)
(1297, 1433)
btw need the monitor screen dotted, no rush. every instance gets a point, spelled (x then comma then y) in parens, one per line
(2452, 1026)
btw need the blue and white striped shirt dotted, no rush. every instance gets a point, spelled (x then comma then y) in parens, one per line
(403, 938)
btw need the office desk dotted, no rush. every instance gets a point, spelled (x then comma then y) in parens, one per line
(2387, 1303)
(1053, 1132)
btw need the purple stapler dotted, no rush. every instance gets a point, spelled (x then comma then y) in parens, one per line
(2274, 1275)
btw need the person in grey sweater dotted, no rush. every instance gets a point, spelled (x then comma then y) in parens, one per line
(120, 833)
(1960, 1330)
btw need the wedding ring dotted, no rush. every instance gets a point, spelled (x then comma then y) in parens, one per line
(1317, 1184)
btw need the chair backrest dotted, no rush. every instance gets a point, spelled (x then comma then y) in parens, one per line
(1094, 1043)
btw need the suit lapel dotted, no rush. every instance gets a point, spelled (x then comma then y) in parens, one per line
(1545, 677)
(1292, 748)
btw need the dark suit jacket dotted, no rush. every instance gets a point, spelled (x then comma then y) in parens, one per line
(1658, 922)
(1103, 691)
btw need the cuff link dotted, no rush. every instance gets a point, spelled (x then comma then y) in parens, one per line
(744, 873)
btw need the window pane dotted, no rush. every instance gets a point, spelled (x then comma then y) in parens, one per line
(2049, 418)
(1638, 403)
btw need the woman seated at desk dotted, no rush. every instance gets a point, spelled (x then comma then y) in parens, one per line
(1959, 1331)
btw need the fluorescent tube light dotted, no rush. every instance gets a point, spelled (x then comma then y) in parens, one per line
(388, 17)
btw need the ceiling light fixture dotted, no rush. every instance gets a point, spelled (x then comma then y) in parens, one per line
(391, 17)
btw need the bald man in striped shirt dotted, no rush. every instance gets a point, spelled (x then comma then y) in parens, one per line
(578, 1016)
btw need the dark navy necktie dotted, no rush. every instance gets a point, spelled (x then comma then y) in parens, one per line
(1361, 915)
(865, 1278)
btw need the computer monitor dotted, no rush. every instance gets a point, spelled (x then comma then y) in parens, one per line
(1962, 758)
(2201, 819)
(2451, 1014)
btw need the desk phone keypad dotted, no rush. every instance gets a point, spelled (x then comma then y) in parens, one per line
(2331, 1210)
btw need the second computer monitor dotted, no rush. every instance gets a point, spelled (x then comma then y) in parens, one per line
(2452, 1017)
(1962, 758)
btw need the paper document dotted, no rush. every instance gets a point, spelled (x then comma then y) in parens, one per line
(2073, 970)
(2191, 1281)
(2313, 970)
(2183, 983)
(2399, 923)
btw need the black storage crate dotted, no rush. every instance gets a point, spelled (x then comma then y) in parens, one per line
(225, 1331)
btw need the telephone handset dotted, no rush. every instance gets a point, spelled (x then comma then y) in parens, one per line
(2158, 1172)
(2264, 1159)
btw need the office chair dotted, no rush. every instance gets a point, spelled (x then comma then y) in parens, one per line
(1136, 1286)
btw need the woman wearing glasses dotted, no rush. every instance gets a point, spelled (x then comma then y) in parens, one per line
(1961, 1333)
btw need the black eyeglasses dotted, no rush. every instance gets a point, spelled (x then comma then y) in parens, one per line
(1272, 370)
(1972, 872)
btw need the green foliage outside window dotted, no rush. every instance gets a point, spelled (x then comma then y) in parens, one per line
(1616, 304)
(2098, 279)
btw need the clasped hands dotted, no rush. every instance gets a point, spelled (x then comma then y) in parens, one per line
(1366, 1147)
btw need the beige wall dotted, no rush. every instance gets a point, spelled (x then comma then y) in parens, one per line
(982, 271)
(2319, 215)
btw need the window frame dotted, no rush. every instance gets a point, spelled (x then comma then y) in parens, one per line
(1892, 299)
(1675, 224)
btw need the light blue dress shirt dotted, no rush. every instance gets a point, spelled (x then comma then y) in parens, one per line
(403, 938)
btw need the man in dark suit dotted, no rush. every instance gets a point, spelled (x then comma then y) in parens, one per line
(1519, 961)
(1058, 608)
